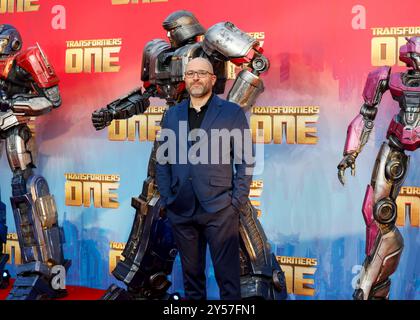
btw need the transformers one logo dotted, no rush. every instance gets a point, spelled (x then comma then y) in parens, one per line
(81, 189)
(10, 6)
(93, 55)
(408, 205)
(255, 194)
(278, 124)
(115, 251)
(386, 43)
(145, 125)
(116, 2)
(12, 248)
(294, 120)
(296, 271)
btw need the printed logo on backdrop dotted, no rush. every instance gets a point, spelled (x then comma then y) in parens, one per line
(255, 195)
(290, 124)
(299, 273)
(144, 127)
(11, 6)
(97, 55)
(119, 2)
(280, 124)
(408, 207)
(83, 189)
(386, 43)
(12, 248)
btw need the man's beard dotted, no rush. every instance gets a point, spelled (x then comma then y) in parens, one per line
(198, 90)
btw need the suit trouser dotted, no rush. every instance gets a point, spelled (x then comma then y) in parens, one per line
(221, 231)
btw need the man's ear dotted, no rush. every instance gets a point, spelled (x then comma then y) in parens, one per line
(213, 80)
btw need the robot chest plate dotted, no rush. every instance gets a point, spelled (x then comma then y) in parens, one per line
(407, 95)
(5, 67)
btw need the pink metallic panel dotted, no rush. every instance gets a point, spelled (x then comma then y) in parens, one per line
(354, 132)
(396, 86)
(410, 139)
(372, 83)
(34, 61)
(371, 227)
(412, 46)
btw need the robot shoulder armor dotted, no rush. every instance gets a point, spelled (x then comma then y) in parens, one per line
(151, 51)
(227, 40)
(34, 61)
(376, 83)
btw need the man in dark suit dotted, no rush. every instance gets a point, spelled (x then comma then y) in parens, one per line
(198, 186)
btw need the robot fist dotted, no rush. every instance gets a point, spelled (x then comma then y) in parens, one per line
(102, 118)
(347, 162)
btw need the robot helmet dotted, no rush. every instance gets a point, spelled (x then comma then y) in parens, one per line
(10, 40)
(410, 53)
(182, 26)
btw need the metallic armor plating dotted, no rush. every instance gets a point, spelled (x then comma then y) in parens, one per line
(28, 87)
(150, 250)
(384, 243)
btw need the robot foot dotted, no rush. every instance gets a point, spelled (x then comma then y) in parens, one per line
(263, 287)
(4, 279)
(379, 292)
(116, 293)
(34, 282)
(4, 274)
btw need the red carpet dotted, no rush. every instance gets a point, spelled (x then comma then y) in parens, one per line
(75, 293)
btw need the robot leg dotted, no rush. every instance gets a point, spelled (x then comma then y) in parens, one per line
(150, 250)
(42, 272)
(261, 275)
(384, 243)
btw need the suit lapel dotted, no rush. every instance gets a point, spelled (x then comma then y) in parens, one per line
(183, 116)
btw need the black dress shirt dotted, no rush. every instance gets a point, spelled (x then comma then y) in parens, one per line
(196, 118)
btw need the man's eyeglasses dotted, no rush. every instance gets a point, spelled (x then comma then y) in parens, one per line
(200, 73)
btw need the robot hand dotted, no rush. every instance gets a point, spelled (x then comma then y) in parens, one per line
(347, 162)
(102, 118)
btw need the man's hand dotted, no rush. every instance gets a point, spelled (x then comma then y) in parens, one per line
(347, 162)
(102, 118)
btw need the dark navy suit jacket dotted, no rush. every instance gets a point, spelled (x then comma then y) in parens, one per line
(215, 185)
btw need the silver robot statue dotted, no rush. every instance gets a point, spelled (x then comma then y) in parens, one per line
(150, 250)
(384, 243)
(28, 88)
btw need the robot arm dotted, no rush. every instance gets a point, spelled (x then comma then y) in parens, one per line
(134, 103)
(224, 41)
(359, 129)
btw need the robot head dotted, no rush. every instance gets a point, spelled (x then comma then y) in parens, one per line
(410, 53)
(10, 40)
(182, 26)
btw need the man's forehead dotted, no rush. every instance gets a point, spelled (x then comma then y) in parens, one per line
(199, 64)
